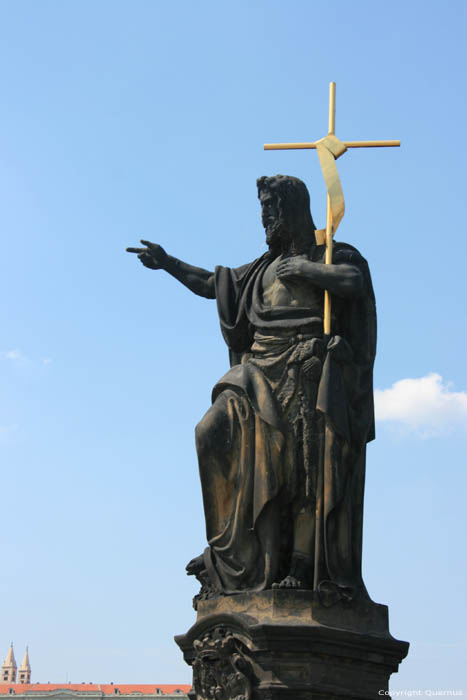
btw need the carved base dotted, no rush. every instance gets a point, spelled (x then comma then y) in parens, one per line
(283, 644)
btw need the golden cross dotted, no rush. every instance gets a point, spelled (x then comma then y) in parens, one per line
(329, 149)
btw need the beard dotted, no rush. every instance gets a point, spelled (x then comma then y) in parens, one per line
(276, 235)
(281, 240)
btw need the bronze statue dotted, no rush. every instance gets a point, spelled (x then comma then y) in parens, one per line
(282, 449)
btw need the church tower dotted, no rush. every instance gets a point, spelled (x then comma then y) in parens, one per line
(24, 672)
(8, 672)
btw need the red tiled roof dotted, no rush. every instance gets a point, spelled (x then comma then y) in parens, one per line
(106, 688)
(124, 689)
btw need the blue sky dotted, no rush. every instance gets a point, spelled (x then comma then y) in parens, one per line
(128, 120)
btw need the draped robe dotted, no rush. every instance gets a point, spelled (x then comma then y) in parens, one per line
(288, 427)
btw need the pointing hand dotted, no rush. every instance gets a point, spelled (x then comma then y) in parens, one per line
(153, 256)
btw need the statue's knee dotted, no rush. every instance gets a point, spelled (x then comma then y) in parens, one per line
(202, 436)
(213, 432)
(207, 432)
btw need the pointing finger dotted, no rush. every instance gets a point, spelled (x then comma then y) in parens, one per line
(135, 250)
(153, 246)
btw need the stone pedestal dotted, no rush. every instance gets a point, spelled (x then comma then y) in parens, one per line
(287, 645)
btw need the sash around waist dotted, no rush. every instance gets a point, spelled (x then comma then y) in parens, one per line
(280, 339)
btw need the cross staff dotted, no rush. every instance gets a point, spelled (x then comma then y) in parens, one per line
(329, 149)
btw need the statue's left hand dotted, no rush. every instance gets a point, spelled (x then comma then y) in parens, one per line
(292, 267)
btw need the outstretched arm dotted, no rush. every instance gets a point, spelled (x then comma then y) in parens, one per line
(198, 280)
(345, 280)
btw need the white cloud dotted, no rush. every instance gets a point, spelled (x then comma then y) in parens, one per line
(14, 355)
(21, 360)
(426, 405)
(6, 431)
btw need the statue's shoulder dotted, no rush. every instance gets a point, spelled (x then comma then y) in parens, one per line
(242, 269)
(238, 277)
(341, 253)
(254, 267)
(346, 253)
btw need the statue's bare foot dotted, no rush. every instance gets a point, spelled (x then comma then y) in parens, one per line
(195, 566)
(288, 582)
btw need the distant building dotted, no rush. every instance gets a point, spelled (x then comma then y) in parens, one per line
(92, 691)
(9, 670)
(76, 691)
(8, 673)
(24, 672)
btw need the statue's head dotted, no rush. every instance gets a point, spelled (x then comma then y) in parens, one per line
(285, 211)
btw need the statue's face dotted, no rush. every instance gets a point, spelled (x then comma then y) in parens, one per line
(270, 216)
